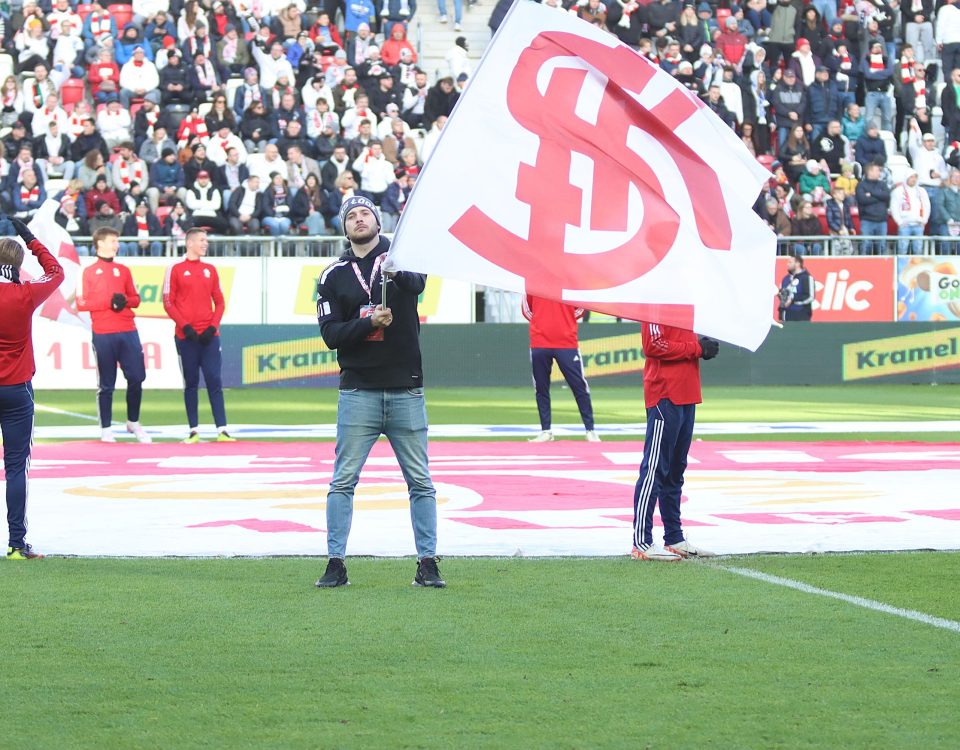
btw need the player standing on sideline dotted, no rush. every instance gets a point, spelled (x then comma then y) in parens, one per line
(671, 391)
(193, 299)
(18, 301)
(381, 385)
(109, 296)
(553, 336)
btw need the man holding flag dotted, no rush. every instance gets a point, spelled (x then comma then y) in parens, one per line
(18, 300)
(381, 384)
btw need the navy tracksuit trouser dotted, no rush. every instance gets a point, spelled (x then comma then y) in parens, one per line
(16, 418)
(665, 448)
(126, 350)
(194, 358)
(571, 366)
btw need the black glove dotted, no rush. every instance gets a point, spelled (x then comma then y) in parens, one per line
(207, 336)
(25, 234)
(710, 347)
(190, 333)
(118, 302)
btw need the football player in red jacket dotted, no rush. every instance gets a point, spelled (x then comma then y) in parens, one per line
(18, 300)
(553, 336)
(671, 391)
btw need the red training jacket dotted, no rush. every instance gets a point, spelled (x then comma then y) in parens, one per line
(100, 282)
(192, 296)
(553, 325)
(672, 367)
(18, 301)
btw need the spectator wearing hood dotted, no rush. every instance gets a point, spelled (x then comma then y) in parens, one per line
(910, 209)
(130, 39)
(396, 42)
(731, 44)
(870, 146)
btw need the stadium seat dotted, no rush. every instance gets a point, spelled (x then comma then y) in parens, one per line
(722, 15)
(232, 85)
(163, 212)
(135, 106)
(766, 160)
(84, 10)
(855, 215)
(6, 66)
(821, 213)
(889, 141)
(122, 15)
(72, 91)
(54, 186)
(177, 113)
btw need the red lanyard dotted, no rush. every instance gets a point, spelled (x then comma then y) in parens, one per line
(368, 287)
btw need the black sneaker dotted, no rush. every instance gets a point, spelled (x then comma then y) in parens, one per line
(428, 574)
(335, 575)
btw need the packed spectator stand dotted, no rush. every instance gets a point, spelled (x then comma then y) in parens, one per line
(256, 119)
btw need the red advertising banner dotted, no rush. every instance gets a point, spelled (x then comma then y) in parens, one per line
(849, 290)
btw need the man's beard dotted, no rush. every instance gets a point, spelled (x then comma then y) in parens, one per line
(364, 236)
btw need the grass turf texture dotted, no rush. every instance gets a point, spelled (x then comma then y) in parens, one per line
(517, 406)
(516, 653)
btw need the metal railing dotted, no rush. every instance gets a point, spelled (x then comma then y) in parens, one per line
(874, 245)
(285, 246)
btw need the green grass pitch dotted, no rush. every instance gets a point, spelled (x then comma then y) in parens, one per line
(515, 653)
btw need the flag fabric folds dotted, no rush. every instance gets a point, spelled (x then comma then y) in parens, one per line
(575, 169)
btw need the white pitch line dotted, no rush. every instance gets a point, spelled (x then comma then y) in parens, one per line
(859, 601)
(55, 410)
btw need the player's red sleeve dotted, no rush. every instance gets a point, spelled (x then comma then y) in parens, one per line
(130, 290)
(52, 277)
(526, 307)
(659, 344)
(219, 306)
(170, 283)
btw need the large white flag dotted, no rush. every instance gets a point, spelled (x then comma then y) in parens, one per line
(61, 306)
(574, 169)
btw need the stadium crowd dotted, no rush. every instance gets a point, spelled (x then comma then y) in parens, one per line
(262, 117)
(239, 117)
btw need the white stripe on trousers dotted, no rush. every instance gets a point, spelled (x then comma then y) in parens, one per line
(645, 491)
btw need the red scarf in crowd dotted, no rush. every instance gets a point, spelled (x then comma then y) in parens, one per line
(125, 172)
(143, 228)
(920, 89)
(28, 196)
(907, 74)
(99, 24)
(876, 62)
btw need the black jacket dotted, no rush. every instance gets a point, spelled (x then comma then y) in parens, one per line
(395, 361)
(236, 198)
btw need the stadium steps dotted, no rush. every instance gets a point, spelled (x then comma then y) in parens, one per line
(437, 38)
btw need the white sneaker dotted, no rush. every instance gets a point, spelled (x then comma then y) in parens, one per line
(106, 435)
(457, 27)
(544, 437)
(656, 553)
(136, 429)
(443, 19)
(592, 436)
(685, 549)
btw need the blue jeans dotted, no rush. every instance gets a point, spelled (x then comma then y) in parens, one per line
(914, 247)
(879, 100)
(457, 9)
(872, 229)
(16, 418)
(277, 225)
(362, 417)
(827, 10)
